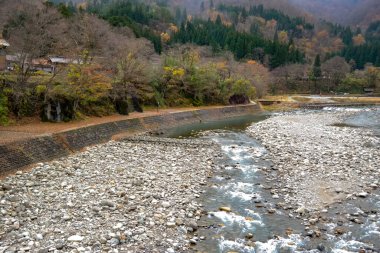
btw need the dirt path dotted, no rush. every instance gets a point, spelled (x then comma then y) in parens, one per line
(34, 127)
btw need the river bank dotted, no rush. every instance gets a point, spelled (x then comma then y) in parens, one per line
(43, 147)
(137, 195)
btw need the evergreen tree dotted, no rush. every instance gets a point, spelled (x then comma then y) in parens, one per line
(211, 4)
(244, 15)
(275, 37)
(184, 15)
(202, 6)
(71, 7)
(317, 71)
(243, 45)
(218, 20)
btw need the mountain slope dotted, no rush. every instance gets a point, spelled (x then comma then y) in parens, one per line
(348, 12)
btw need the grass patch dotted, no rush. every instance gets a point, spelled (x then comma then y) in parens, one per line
(357, 99)
(302, 99)
(284, 98)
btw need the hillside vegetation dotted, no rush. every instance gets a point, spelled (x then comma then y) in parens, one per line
(124, 55)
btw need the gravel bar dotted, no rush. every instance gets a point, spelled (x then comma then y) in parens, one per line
(316, 162)
(136, 195)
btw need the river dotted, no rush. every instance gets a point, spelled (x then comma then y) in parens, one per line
(254, 224)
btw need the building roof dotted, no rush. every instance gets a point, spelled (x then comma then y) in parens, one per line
(4, 43)
(41, 62)
(13, 58)
(63, 60)
(60, 60)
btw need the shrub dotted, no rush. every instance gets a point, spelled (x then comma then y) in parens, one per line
(3, 110)
(352, 85)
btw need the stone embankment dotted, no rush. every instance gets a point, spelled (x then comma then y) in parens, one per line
(136, 195)
(315, 163)
(25, 152)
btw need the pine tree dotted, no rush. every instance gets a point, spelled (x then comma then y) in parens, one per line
(202, 6)
(218, 20)
(184, 15)
(275, 37)
(317, 73)
(244, 15)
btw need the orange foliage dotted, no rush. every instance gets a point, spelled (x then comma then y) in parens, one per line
(173, 28)
(165, 37)
(358, 40)
(323, 34)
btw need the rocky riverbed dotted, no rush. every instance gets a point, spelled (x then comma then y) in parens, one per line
(316, 161)
(137, 195)
(326, 174)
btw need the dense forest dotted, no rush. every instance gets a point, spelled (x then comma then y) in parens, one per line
(243, 45)
(124, 55)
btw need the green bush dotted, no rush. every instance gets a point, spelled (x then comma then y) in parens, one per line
(3, 110)
(352, 85)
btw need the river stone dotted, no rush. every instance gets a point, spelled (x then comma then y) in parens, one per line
(170, 224)
(75, 238)
(362, 194)
(165, 204)
(107, 203)
(225, 209)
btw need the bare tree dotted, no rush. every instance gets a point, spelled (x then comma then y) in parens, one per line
(32, 33)
(289, 78)
(334, 71)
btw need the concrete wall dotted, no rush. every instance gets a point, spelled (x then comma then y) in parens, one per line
(16, 155)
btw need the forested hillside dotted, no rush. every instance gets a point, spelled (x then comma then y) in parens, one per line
(347, 12)
(72, 59)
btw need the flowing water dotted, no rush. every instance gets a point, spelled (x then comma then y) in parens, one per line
(251, 226)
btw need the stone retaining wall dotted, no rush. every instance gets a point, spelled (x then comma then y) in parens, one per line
(16, 155)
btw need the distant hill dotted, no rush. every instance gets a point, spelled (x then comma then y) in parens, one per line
(283, 5)
(347, 12)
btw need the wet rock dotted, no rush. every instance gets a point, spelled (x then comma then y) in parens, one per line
(114, 242)
(249, 236)
(321, 247)
(340, 231)
(225, 209)
(362, 194)
(301, 210)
